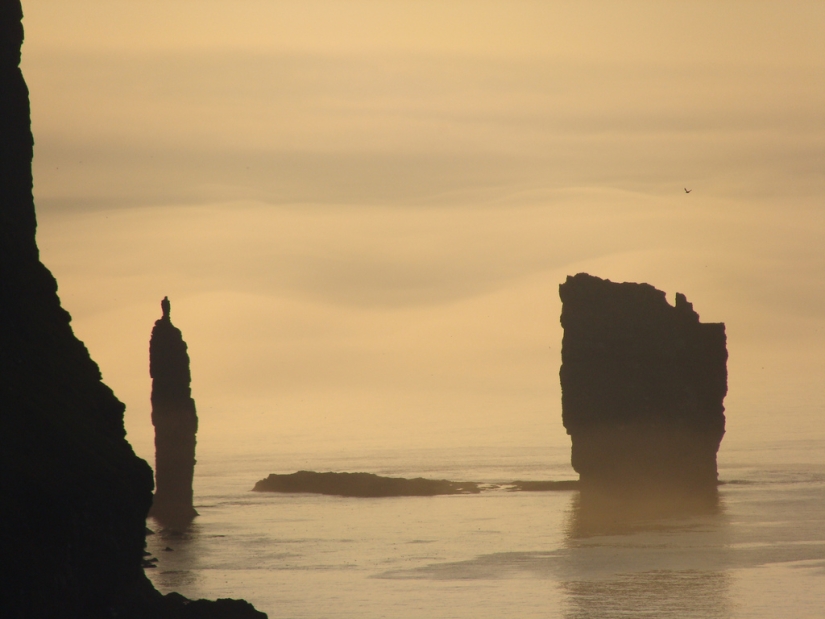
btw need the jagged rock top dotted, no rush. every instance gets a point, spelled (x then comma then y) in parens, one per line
(628, 355)
(168, 360)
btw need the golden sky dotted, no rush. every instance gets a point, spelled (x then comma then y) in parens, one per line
(361, 211)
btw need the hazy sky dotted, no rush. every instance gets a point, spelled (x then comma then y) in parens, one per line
(361, 211)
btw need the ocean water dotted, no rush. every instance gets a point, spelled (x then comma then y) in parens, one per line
(500, 553)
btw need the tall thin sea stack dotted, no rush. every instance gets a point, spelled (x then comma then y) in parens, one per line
(643, 384)
(175, 421)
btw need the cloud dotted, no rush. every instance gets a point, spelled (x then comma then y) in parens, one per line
(148, 128)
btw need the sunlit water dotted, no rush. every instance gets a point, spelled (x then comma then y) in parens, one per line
(499, 553)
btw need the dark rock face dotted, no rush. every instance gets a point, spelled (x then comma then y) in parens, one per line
(642, 386)
(175, 421)
(178, 607)
(73, 495)
(362, 485)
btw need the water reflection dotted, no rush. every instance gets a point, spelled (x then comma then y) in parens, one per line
(646, 556)
(177, 550)
(598, 512)
(650, 594)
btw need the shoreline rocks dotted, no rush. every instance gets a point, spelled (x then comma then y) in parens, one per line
(369, 485)
(361, 485)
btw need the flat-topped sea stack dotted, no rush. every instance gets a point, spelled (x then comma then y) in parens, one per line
(643, 384)
(175, 421)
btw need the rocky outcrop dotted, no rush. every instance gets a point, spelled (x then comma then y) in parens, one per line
(542, 486)
(175, 421)
(643, 384)
(369, 485)
(73, 495)
(362, 485)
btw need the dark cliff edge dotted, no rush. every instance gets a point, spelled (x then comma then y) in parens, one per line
(362, 485)
(73, 495)
(175, 421)
(643, 384)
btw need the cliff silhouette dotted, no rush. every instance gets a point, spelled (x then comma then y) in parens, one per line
(643, 384)
(175, 421)
(74, 495)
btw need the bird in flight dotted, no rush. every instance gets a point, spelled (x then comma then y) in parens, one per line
(688, 190)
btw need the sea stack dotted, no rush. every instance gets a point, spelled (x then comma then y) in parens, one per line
(175, 421)
(643, 384)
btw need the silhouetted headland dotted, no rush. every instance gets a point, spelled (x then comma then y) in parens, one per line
(74, 495)
(643, 384)
(175, 421)
(362, 485)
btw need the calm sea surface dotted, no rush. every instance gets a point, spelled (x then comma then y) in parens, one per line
(500, 553)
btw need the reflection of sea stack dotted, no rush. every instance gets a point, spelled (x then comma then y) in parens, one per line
(642, 386)
(175, 421)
